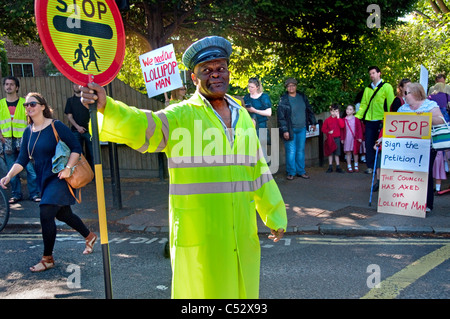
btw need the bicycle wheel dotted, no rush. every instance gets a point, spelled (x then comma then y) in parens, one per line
(4, 209)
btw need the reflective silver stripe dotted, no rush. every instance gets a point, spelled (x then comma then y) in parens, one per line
(219, 187)
(164, 129)
(19, 121)
(6, 129)
(148, 132)
(5, 121)
(143, 148)
(264, 178)
(212, 160)
(151, 125)
(19, 129)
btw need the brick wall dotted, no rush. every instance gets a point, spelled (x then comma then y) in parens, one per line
(27, 54)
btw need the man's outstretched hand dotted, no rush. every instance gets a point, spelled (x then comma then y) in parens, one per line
(276, 234)
(93, 92)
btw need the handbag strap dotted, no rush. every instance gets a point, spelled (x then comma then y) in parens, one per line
(373, 95)
(79, 193)
(433, 127)
(68, 185)
(446, 123)
(55, 132)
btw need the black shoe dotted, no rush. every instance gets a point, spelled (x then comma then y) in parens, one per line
(329, 170)
(339, 170)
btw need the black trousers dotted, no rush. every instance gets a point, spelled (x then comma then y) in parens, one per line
(371, 136)
(48, 213)
(430, 188)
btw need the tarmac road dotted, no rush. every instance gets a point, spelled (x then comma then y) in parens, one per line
(298, 267)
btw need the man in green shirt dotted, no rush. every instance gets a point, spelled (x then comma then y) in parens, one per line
(377, 99)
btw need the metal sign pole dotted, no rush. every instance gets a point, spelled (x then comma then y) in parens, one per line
(100, 198)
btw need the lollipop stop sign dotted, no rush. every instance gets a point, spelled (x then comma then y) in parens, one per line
(82, 37)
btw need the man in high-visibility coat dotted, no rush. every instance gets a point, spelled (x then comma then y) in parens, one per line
(218, 177)
(13, 121)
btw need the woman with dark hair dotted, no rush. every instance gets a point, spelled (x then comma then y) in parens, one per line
(39, 143)
(400, 97)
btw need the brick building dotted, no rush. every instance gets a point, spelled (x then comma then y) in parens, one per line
(26, 61)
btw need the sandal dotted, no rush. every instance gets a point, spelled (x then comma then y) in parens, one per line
(47, 262)
(90, 241)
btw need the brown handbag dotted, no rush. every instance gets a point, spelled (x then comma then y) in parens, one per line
(82, 173)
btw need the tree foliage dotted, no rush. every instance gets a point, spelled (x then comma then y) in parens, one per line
(3, 60)
(326, 45)
(17, 21)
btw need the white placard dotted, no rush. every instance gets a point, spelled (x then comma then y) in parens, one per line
(405, 154)
(311, 133)
(160, 70)
(424, 78)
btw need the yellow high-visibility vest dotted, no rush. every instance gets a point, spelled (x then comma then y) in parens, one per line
(216, 187)
(16, 126)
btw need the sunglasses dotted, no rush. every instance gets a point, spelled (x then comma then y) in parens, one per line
(32, 104)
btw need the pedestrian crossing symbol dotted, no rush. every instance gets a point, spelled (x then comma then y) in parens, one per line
(90, 54)
(82, 37)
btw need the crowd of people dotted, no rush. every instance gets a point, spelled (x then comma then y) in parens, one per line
(355, 132)
(360, 131)
(214, 244)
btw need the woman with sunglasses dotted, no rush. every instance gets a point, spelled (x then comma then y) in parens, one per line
(417, 102)
(39, 143)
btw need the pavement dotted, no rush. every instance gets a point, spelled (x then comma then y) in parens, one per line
(327, 203)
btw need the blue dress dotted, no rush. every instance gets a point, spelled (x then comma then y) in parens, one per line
(53, 190)
(262, 103)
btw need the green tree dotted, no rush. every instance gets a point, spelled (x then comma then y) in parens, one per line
(326, 45)
(17, 21)
(336, 72)
(3, 60)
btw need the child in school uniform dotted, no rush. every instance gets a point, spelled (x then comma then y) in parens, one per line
(332, 127)
(352, 138)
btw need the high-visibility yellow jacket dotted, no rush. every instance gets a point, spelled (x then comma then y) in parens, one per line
(16, 126)
(380, 103)
(215, 187)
